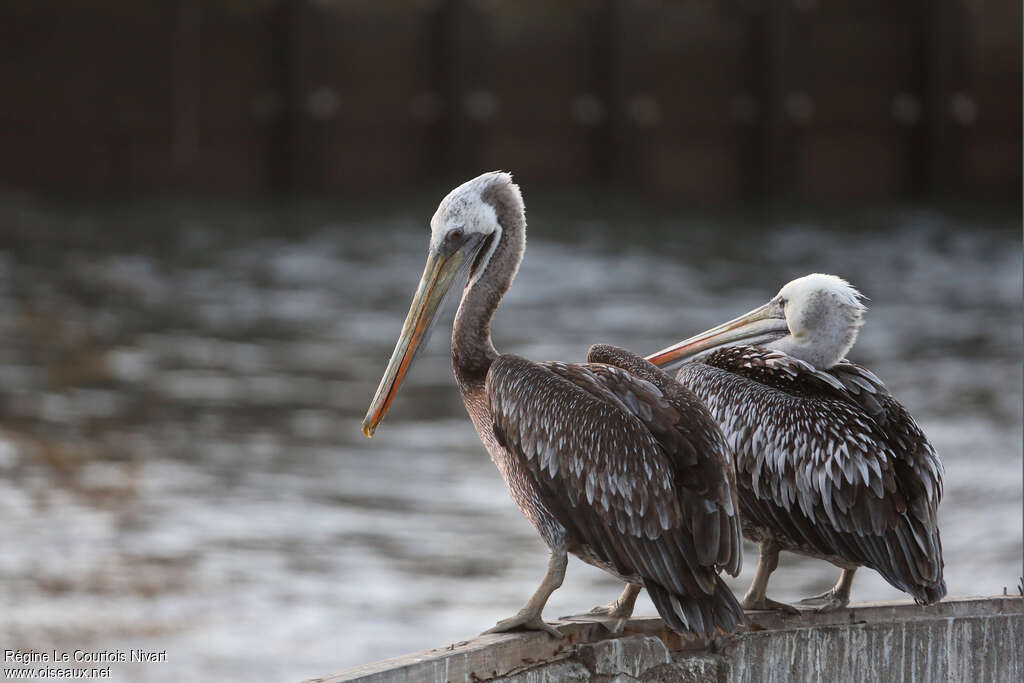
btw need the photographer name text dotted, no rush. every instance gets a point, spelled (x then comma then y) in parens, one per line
(83, 656)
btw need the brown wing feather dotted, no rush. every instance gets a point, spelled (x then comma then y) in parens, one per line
(829, 459)
(704, 471)
(597, 443)
(921, 465)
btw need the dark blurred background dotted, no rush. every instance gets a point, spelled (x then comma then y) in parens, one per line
(213, 215)
(701, 101)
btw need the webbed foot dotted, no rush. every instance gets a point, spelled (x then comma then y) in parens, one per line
(618, 611)
(613, 616)
(767, 604)
(829, 601)
(524, 621)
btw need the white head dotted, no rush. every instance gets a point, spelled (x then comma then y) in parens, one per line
(468, 218)
(814, 318)
(824, 314)
(465, 231)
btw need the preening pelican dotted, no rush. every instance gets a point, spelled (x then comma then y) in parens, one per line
(828, 463)
(614, 462)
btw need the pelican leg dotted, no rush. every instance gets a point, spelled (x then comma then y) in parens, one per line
(620, 609)
(836, 597)
(755, 598)
(528, 617)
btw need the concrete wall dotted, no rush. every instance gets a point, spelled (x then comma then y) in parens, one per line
(965, 639)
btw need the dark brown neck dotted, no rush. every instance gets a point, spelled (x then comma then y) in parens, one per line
(472, 348)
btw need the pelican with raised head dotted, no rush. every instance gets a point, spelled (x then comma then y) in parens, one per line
(828, 463)
(612, 461)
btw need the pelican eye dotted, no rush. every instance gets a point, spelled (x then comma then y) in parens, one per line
(454, 236)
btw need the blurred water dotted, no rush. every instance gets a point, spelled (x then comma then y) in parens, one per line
(181, 465)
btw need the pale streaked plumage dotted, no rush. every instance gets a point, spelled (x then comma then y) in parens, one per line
(828, 463)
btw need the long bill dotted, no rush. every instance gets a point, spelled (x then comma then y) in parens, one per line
(438, 275)
(761, 325)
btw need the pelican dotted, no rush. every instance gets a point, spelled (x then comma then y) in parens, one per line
(612, 461)
(828, 463)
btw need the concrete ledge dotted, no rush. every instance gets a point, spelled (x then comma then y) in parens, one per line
(963, 639)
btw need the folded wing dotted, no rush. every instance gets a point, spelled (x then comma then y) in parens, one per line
(636, 485)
